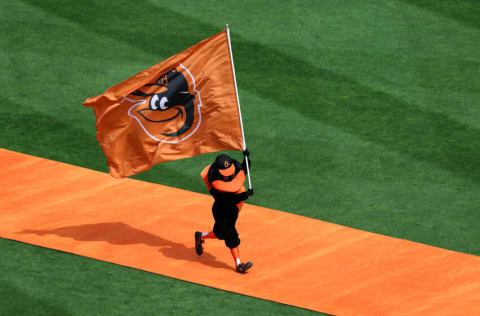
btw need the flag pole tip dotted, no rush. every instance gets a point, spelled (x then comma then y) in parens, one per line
(226, 26)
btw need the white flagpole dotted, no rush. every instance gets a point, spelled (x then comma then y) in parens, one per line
(238, 103)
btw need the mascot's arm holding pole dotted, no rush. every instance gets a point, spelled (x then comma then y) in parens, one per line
(226, 197)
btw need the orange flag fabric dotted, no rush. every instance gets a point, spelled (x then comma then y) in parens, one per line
(181, 107)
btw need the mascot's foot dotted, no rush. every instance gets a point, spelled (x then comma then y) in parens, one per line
(243, 267)
(198, 243)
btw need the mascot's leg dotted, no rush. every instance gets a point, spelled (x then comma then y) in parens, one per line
(233, 242)
(239, 266)
(209, 235)
(199, 240)
(236, 255)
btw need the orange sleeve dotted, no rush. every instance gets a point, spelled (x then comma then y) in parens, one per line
(204, 175)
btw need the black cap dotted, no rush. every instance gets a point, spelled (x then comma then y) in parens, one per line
(222, 162)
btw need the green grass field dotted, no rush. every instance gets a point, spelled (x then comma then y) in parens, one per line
(360, 113)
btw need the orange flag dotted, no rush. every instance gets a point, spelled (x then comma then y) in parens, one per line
(181, 107)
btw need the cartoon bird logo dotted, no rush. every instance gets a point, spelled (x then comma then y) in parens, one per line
(167, 109)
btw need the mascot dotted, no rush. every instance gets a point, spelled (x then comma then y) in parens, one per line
(224, 180)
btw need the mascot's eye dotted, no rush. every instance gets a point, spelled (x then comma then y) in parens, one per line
(156, 103)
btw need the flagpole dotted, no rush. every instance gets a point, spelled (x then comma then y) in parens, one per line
(238, 103)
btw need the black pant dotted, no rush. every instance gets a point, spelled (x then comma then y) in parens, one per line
(225, 216)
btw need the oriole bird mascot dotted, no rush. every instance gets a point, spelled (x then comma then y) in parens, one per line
(224, 180)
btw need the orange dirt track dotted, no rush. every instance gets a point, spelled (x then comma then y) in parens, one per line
(297, 260)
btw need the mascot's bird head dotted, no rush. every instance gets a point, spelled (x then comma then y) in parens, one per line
(226, 174)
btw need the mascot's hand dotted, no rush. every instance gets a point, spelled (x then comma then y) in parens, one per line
(249, 192)
(246, 153)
